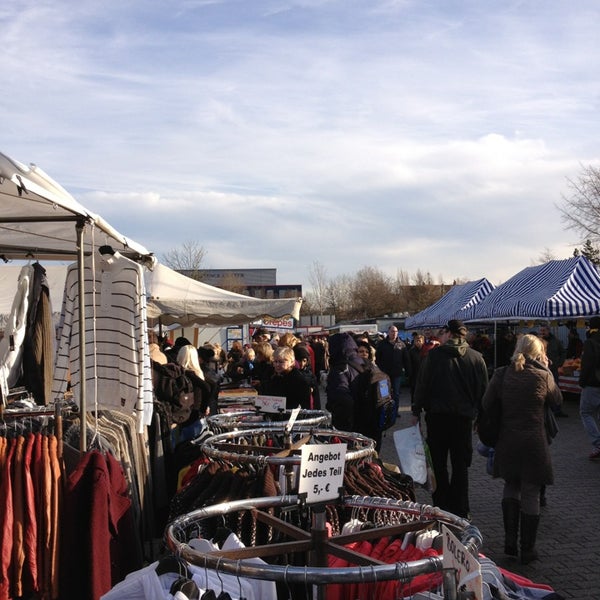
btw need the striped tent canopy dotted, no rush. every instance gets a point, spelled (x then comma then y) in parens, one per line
(458, 299)
(556, 289)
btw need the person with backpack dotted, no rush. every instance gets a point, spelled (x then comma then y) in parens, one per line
(342, 389)
(187, 357)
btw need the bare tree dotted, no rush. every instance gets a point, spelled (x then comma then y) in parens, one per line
(339, 298)
(546, 256)
(581, 210)
(371, 293)
(188, 258)
(232, 283)
(317, 277)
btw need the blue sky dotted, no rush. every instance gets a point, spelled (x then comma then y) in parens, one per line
(396, 134)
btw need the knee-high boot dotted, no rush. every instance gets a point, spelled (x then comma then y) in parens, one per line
(529, 527)
(511, 509)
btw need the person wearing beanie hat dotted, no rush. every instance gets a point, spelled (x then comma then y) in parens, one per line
(303, 362)
(589, 381)
(450, 385)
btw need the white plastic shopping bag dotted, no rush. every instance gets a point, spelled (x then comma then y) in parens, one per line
(411, 453)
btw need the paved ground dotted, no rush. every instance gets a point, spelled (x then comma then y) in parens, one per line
(569, 533)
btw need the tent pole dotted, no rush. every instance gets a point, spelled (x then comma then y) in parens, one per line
(83, 382)
(495, 344)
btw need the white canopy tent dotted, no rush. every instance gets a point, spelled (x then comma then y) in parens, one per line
(40, 220)
(175, 298)
(172, 298)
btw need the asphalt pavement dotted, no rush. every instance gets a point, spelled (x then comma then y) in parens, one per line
(569, 532)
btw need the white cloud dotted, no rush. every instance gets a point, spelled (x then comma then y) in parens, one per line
(402, 135)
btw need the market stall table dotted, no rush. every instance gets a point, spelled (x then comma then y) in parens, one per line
(569, 384)
(236, 399)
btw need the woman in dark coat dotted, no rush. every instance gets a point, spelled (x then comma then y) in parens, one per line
(522, 454)
(287, 381)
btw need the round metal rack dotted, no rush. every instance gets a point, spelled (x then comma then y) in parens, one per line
(251, 419)
(276, 446)
(408, 516)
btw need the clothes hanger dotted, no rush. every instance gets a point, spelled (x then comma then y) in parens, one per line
(237, 574)
(223, 595)
(209, 594)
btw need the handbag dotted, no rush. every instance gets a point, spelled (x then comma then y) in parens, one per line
(411, 453)
(489, 420)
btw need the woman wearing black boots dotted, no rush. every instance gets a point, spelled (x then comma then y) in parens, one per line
(522, 455)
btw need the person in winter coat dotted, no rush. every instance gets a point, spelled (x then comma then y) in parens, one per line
(303, 362)
(589, 381)
(451, 382)
(287, 381)
(344, 383)
(366, 417)
(187, 357)
(392, 358)
(522, 455)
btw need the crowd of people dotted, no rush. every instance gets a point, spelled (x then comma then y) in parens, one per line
(451, 376)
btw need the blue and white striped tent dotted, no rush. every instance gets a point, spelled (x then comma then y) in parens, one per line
(556, 289)
(458, 299)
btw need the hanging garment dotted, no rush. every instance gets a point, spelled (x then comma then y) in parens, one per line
(97, 517)
(38, 345)
(11, 345)
(118, 372)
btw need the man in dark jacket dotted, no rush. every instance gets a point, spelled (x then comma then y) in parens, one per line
(392, 358)
(452, 380)
(589, 381)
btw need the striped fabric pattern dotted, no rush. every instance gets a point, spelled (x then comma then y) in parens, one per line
(556, 289)
(118, 373)
(458, 299)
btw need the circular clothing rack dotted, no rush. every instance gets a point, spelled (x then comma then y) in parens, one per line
(250, 419)
(276, 446)
(401, 517)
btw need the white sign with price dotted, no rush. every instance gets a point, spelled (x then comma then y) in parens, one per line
(321, 471)
(270, 404)
(465, 565)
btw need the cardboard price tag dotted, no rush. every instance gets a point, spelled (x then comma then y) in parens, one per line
(270, 404)
(465, 565)
(321, 471)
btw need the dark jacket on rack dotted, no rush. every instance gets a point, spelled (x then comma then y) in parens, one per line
(38, 345)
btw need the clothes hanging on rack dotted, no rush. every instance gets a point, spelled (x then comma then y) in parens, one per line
(118, 372)
(38, 345)
(115, 432)
(98, 520)
(11, 345)
(30, 505)
(147, 583)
